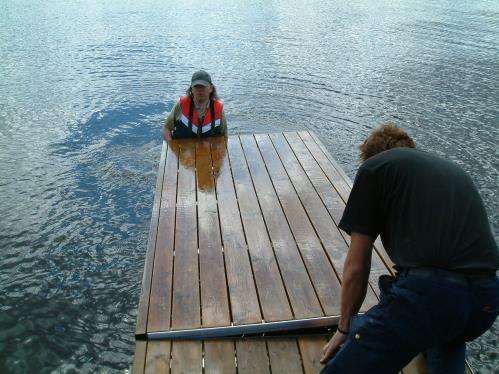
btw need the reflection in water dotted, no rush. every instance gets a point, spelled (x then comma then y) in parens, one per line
(204, 156)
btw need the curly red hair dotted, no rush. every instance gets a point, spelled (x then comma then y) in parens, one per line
(385, 137)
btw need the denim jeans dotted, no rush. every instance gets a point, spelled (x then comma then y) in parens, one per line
(432, 313)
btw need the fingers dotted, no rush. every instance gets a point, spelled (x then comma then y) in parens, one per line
(328, 354)
(324, 349)
(329, 350)
(332, 347)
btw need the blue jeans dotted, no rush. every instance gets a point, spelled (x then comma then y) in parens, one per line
(434, 312)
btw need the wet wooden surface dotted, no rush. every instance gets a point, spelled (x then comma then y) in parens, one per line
(244, 230)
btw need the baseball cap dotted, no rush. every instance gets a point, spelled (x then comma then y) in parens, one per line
(200, 78)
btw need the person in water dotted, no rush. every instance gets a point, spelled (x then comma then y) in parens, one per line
(434, 227)
(199, 113)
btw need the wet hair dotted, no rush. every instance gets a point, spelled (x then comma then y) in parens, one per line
(213, 94)
(383, 138)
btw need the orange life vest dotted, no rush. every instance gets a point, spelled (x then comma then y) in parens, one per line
(188, 125)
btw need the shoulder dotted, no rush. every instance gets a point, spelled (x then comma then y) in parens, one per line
(394, 154)
(399, 157)
(412, 157)
(177, 106)
(175, 111)
(414, 166)
(184, 99)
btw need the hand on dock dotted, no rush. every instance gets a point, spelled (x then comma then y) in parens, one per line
(333, 346)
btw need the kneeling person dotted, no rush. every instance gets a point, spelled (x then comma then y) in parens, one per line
(434, 227)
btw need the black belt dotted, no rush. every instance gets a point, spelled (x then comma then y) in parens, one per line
(465, 277)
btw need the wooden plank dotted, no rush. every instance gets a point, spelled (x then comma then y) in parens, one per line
(315, 171)
(185, 311)
(273, 299)
(142, 312)
(242, 291)
(158, 357)
(377, 268)
(339, 180)
(330, 237)
(323, 223)
(377, 244)
(301, 293)
(333, 162)
(324, 279)
(139, 359)
(219, 357)
(214, 298)
(186, 356)
(161, 287)
(311, 352)
(284, 356)
(252, 357)
(328, 195)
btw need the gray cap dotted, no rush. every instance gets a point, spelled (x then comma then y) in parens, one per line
(200, 78)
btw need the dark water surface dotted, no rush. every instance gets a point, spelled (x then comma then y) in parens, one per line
(85, 86)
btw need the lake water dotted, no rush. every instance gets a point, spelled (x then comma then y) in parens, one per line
(86, 85)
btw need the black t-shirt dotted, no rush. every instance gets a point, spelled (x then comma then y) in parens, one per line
(426, 210)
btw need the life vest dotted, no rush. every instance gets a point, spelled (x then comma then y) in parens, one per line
(188, 125)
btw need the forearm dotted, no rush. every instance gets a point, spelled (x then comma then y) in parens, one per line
(353, 292)
(355, 278)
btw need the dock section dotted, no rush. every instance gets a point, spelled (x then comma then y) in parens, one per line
(244, 242)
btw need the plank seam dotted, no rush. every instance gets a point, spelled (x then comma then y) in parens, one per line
(220, 230)
(229, 301)
(244, 232)
(268, 233)
(173, 254)
(370, 284)
(347, 180)
(153, 231)
(328, 155)
(303, 205)
(289, 227)
(317, 192)
(197, 241)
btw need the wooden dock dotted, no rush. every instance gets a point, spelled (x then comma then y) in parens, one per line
(244, 233)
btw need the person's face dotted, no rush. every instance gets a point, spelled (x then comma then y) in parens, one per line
(202, 93)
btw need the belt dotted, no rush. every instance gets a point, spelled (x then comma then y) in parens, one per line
(479, 276)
